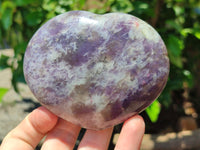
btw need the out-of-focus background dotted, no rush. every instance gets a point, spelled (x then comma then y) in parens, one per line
(172, 121)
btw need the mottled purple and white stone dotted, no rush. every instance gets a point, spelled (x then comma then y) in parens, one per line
(96, 71)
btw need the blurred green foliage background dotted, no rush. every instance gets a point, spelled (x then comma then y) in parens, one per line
(177, 21)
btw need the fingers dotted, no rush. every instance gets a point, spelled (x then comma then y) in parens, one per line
(62, 137)
(96, 140)
(30, 131)
(131, 134)
(63, 134)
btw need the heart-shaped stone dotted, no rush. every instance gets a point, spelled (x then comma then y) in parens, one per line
(96, 71)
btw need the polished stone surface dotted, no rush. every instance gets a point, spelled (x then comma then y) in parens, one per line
(96, 70)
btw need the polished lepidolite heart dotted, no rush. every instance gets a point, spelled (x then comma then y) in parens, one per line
(96, 70)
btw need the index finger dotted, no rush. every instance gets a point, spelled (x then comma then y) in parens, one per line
(131, 134)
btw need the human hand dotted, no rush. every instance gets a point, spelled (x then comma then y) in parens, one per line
(62, 135)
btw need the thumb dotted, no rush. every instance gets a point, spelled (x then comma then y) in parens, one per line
(30, 131)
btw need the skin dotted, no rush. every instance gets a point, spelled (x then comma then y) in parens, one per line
(62, 135)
